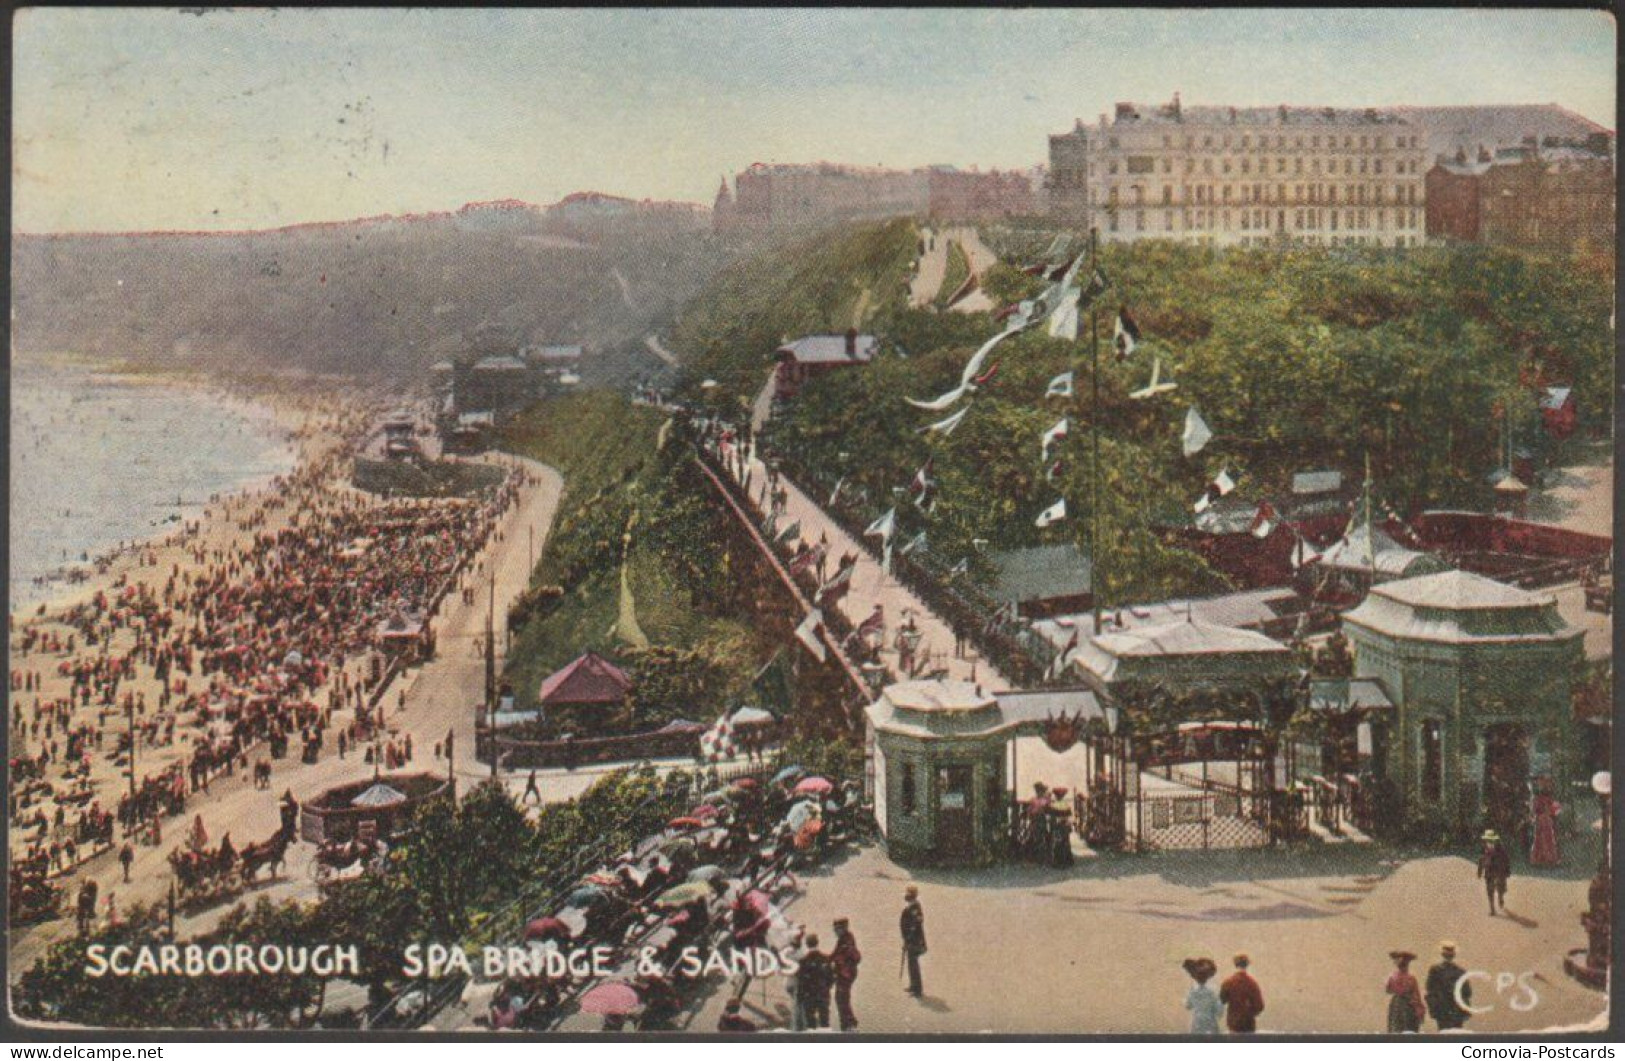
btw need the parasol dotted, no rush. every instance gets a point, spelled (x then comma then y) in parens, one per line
(615, 998)
(789, 773)
(744, 783)
(586, 896)
(801, 813)
(814, 786)
(684, 823)
(757, 902)
(700, 874)
(704, 811)
(546, 928)
(681, 844)
(684, 894)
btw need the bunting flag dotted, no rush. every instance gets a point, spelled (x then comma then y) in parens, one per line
(921, 483)
(967, 377)
(987, 377)
(947, 426)
(835, 494)
(1303, 554)
(1062, 658)
(963, 567)
(1264, 520)
(807, 634)
(874, 625)
(1221, 485)
(1054, 514)
(1054, 435)
(883, 526)
(790, 533)
(836, 586)
(770, 527)
(914, 543)
(1156, 386)
(1125, 334)
(1053, 472)
(1064, 323)
(1060, 386)
(807, 560)
(1197, 433)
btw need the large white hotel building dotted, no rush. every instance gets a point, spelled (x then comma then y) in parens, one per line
(1244, 176)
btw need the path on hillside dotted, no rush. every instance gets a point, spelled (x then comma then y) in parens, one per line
(870, 585)
(626, 289)
(652, 341)
(933, 267)
(440, 696)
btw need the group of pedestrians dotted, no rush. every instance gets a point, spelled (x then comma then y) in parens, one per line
(1239, 1000)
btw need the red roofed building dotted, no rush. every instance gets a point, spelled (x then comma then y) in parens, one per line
(589, 693)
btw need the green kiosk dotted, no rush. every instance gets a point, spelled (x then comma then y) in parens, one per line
(940, 755)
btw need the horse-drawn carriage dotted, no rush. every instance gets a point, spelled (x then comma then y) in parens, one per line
(211, 873)
(336, 856)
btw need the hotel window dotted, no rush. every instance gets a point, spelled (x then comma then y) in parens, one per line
(1362, 165)
(1225, 165)
(910, 795)
(1280, 165)
(1207, 165)
(1167, 220)
(1314, 142)
(1246, 142)
(1139, 220)
(1297, 164)
(1376, 166)
(1167, 194)
(1111, 167)
(1167, 166)
(1226, 193)
(1432, 760)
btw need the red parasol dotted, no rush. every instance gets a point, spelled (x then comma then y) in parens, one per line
(613, 999)
(685, 823)
(547, 928)
(814, 786)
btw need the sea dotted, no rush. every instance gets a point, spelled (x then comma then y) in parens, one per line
(99, 460)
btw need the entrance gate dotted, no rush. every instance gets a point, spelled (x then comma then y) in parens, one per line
(1199, 786)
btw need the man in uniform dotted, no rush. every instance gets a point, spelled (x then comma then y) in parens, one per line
(1442, 982)
(912, 926)
(845, 958)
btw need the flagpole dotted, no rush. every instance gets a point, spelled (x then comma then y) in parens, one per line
(1096, 568)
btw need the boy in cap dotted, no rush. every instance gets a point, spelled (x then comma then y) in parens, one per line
(1494, 869)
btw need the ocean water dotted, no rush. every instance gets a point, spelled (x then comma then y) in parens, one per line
(97, 460)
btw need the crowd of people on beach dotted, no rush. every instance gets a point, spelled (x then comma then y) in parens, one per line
(229, 650)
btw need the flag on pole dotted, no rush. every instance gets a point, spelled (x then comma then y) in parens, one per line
(947, 426)
(1197, 433)
(1125, 334)
(790, 533)
(807, 634)
(835, 587)
(960, 568)
(1263, 521)
(1303, 553)
(1053, 435)
(916, 542)
(1054, 514)
(1222, 482)
(883, 526)
(1060, 386)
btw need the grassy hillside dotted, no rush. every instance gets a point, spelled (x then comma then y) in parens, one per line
(701, 653)
(376, 298)
(1297, 360)
(838, 279)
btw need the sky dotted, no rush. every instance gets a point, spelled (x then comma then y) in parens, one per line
(143, 119)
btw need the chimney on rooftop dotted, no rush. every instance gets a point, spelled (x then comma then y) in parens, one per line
(1177, 111)
(1125, 111)
(851, 343)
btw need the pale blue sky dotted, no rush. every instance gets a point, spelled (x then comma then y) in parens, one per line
(135, 119)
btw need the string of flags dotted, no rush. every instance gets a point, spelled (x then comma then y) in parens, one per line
(1220, 485)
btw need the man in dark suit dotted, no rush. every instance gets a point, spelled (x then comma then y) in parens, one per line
(1243, 999)
(912, 926)
(1442, 1002)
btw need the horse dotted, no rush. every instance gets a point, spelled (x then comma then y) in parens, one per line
(271, 853)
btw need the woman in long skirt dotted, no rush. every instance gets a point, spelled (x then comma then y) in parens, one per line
(1405, 1009)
